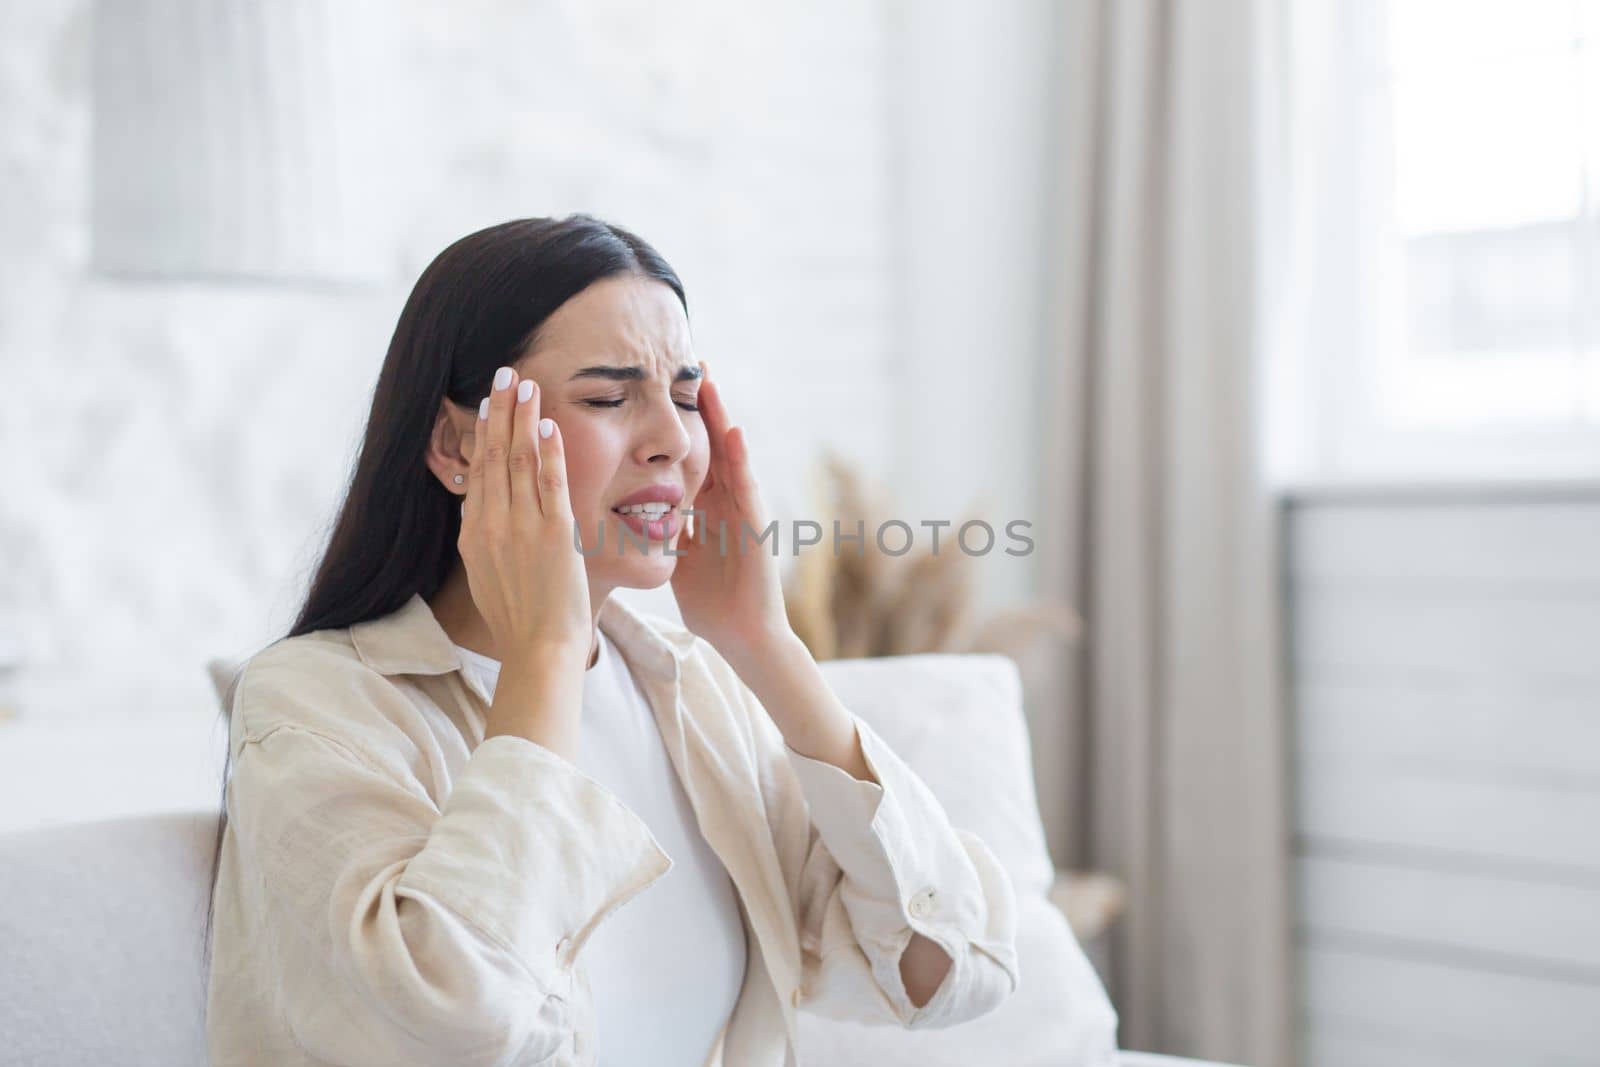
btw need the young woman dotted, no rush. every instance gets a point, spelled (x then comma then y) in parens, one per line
(481, 812)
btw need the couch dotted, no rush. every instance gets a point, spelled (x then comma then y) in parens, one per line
(100, 922)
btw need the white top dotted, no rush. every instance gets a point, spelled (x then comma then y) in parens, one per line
(666, 967)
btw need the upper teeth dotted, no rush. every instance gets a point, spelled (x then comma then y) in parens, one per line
(655, 508)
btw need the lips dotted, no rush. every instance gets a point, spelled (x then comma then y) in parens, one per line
(658, 523)
(651, 512)
(660, 493)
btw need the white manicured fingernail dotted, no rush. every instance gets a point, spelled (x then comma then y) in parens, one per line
(483, 408)
(524, 390)
(546, 427)
(502, 378)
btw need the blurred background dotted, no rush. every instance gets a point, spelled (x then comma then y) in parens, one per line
(1278, 319)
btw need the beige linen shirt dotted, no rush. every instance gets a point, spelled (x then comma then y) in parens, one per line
(394, 889)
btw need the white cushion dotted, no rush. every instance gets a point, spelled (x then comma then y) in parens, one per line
(958, 721)
(1058, 1017)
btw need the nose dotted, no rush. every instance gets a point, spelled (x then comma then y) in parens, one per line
(663, 439)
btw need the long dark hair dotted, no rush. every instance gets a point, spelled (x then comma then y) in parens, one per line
(477, 307)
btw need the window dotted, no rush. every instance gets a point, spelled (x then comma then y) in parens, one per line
(1448, 173)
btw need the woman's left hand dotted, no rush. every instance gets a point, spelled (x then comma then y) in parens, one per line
(727, 584)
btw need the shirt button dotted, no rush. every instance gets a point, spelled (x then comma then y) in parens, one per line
(922, 903)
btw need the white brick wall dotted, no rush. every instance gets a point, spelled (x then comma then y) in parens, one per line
(174, 450)
(849, 190)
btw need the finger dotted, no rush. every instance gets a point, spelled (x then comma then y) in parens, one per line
(703, 397)
(497, 445)
(743, 484)
(523, 464)
(553, 499)
(472, 506)
(715, 415)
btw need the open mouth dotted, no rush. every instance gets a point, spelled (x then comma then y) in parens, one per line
(657, 521)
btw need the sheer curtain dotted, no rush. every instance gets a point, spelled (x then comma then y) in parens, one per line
(1440, 163)
(1155, 496)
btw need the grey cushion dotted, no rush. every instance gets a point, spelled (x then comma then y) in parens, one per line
(100, 934)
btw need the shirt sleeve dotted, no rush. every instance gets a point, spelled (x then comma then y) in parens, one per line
(883, 862)
(400, 932)
(869, 864)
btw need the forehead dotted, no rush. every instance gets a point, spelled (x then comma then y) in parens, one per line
(623, 320)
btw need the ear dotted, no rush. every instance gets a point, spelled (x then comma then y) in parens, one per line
(449, 451)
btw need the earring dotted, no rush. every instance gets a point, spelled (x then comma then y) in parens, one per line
(460, 479)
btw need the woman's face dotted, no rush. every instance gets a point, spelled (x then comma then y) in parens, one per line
(616, 372)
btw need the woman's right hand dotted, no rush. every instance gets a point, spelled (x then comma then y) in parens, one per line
(528, 579)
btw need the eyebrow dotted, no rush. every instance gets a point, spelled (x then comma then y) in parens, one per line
(635, 373)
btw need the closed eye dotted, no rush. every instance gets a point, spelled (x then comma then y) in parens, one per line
(618, 403)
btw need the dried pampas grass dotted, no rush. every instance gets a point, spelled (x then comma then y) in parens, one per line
(859, 604)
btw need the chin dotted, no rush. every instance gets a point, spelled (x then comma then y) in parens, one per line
(634, 571)
(624, 565)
